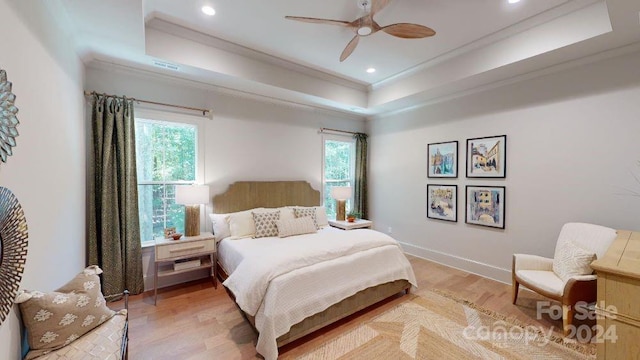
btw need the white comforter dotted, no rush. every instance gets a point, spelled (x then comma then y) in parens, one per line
(283, 281)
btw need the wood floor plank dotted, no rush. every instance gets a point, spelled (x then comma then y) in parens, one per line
(196, 321)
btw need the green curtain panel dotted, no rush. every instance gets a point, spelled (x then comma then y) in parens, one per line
(360, 186)
(114, 231)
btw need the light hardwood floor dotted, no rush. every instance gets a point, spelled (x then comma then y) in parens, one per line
(196, 321)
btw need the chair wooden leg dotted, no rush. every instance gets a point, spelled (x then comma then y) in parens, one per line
(567, 318)
(515, 285)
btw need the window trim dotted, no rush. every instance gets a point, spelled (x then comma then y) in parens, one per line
(169, 117)
(342, 138)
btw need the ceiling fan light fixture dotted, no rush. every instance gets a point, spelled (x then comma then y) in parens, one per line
(208, 10)
(364, 31)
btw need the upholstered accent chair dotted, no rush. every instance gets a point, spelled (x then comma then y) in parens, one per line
(567, 277)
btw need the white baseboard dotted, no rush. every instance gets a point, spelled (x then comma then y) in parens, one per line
(468, 265)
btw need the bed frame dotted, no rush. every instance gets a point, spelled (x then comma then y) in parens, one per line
(247, 195)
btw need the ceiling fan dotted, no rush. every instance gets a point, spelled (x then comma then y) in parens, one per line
(365, 25)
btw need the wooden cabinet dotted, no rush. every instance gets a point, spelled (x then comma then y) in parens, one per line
(618, 306)
(201, 247)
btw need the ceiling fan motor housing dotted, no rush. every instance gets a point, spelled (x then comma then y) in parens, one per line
(364, 4)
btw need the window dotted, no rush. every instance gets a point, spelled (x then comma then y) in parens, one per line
(338, 168)
(166, 156)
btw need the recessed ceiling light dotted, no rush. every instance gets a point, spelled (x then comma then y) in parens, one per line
(371, 70)
(513, 1)
(208, 10)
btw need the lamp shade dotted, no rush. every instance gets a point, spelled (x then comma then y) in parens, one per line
(341, 192)
(192, 194)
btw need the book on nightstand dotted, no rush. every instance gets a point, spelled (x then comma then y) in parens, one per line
(186, 263)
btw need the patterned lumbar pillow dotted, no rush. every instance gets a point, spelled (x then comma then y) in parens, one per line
(307, 212)
(571, 260)
(266, 223)
(55, 319)
(298, 226)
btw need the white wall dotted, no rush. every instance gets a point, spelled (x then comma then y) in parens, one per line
(244, 140)
(573, 145)
(47, 170)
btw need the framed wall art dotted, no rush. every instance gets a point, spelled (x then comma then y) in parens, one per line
(485, 205)
(442, 202)
(443, 160)
(487, 157)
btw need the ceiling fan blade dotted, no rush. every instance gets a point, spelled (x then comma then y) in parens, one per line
(408, 31)
(378, 5)
(319, 21)
(350, 47)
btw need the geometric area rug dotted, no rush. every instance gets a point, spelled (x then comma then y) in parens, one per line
(436, 325)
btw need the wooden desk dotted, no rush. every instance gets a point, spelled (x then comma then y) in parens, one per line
(618, 303)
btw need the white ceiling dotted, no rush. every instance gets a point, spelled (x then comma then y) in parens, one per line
(250, 47)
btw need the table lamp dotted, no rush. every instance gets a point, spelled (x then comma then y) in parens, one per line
(192, 196)
(341, 194)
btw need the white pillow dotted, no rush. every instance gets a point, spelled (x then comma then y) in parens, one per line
(286, 213)
(571, 260)
(298, 226)
(220, 226)
(241, 223)
(307, 211)
(321, 216)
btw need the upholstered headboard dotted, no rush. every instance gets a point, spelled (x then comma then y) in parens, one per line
(245, 195)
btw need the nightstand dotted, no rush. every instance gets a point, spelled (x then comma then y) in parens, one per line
(201, 247)
(345, 225)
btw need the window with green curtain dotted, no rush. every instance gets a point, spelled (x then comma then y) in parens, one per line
(166, 155)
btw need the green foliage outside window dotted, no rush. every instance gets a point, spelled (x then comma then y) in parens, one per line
(338, 170)
(165, 156)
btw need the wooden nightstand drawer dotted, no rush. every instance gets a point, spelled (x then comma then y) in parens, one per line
(185, 249)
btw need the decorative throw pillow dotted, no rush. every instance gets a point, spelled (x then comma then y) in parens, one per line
(571, 260)
(299, 226)
(55, 319)
(220, 226)
(307, 211)
(265, 223)
(241, 223)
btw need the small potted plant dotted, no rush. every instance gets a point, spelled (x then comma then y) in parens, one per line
(352, 215)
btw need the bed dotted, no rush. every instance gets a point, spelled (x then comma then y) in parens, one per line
(302, 298)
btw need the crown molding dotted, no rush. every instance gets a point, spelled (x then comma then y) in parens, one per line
(568, 65)
(166, 76)
(163, 23)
